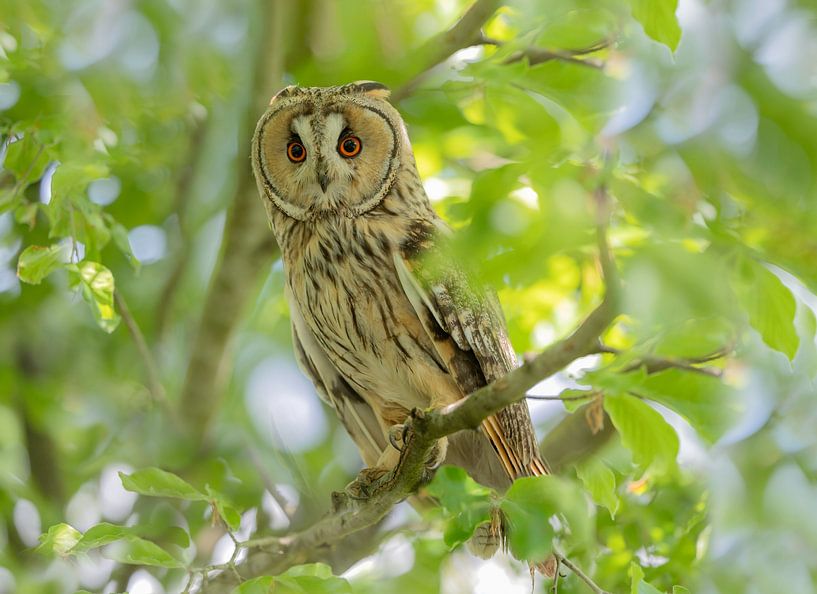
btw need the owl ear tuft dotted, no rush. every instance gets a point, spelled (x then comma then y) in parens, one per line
(372, 89)
(285, 92)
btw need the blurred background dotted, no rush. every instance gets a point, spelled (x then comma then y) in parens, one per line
(124, 163)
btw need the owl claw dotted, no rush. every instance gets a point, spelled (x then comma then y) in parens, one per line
(397, 436)
(367, 482)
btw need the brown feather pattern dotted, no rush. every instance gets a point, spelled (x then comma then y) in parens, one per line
(383, 319)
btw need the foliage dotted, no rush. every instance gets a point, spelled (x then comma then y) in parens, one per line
(123, 128)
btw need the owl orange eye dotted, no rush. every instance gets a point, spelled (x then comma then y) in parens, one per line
(296, 152)
(349, 146)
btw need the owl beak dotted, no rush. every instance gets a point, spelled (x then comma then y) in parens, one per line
(323, 174)
(323, 181)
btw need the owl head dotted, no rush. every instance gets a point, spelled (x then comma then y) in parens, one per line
(322, 151)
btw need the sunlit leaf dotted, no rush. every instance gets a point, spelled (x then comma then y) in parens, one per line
(102, 534)
(468, 503)
(138, 551)
(27, 158)
(644, 432)
(529, 505)
(226, 511)
(96, 284)
(600, 482)
(259, 585)
(659, 20)
(770, 306)
(36, 262)
(156, 482)
(706, 402)
(59, 539)
(638, 585)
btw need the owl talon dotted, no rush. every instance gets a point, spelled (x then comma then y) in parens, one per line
(397, 437)
(366, 483)
(436, 456)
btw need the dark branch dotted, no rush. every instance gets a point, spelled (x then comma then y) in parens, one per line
(465, 33)
(539, 55)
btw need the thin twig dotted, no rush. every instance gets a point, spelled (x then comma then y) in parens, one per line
(538, 55)
(554, 589)
(583, 396)
(580, 574)
(155, 386)
(652, 364)
(272, 488)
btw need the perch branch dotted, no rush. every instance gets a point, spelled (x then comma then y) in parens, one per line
(426, 427)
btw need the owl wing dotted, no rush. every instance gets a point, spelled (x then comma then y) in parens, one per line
(357, 417)
(466, 323)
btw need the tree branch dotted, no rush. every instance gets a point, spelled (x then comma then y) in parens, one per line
(247, 249)
(464, 33)
(183, 195)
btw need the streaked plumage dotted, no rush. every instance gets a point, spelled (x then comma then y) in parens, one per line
(383, 321)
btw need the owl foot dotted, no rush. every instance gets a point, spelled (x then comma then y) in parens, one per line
(436, 456)
(367, 482)
(399, 435)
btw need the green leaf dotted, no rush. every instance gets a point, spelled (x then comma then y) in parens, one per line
(36, 262)
(59, 539)
(600, 482)
(120, 238)
(156, 482)
(97, 286)
(26, 159)
(659, 20)
(644, 432)
(679, 590)
(312, 578)
(319, 570)
(9, 198)
(704, 401)
(637, 584)
(259, 585)
(311, 585)
(100, 535)
(138, 551)
(770, 306)
(177, 535)
(468, 503)
(455, 489)
(224, 507)
(528, 506)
